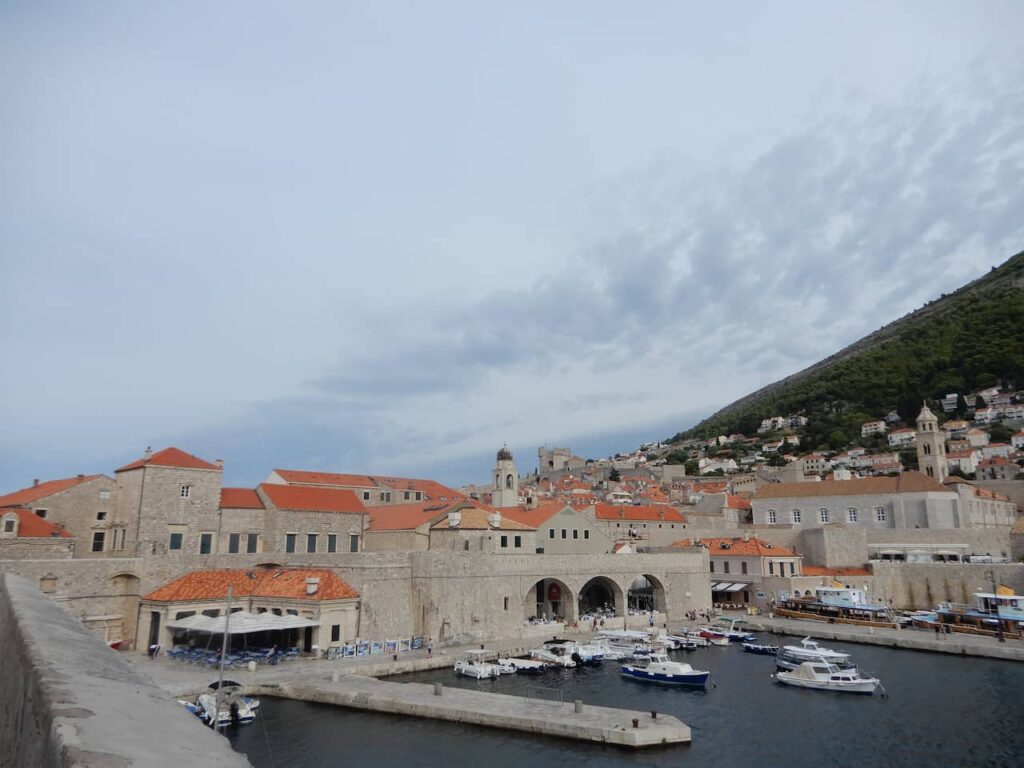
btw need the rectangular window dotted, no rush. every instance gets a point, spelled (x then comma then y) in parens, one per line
(335, 633)
(387, 496)
(517, 542)
(792, 568)
(289, 542)
(406, 496)
(41, 513)
(771, 567)
(311, 542)
(8, 526)
(366, 495)
(851, 515)
(823, 515)
(796, 515)
(101, 515)
(175, 541)
(234, 543)
(419, 496)
(880, 514)
(205, 543)
(252, 543)
(575, 533)
(332, 542)
(506, 603)
(504, 541)
(353, 542)
(551, 533)
(586, 533)
(725, 567)
(712, 566)
(382, 497)
(563, 533)
(186, 491)
(772, 518)
(743, 567)
(97, 541)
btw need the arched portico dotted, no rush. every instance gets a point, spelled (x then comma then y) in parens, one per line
(549, 599)
(601, 594)
(646, 592)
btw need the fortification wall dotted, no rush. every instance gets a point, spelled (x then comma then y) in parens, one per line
(920, 586)
(67, 700)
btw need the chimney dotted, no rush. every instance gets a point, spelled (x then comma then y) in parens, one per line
(494, 519)
(35, 482)
(312, 585)
(454, 519)
(219, 463)
(81, 478)
(149, 453)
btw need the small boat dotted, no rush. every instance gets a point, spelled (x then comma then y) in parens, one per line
(791, 656)
(713, 636)
(731, 629)
(764, 650)
(554, 655)
(475, 666)
(694, 638)
(527, 666)
(680, 642)
(828, 677)
(223, 705)
(505, 667)
(658, 669)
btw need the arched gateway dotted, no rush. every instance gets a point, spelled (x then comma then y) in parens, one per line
(551, 599)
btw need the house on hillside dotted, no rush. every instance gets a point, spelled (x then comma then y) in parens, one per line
(902, 438)
(878, 427)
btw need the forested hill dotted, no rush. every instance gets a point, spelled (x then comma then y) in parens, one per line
(963, 341)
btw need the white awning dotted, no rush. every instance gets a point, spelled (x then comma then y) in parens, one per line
(719, 586)
(242, 623)
(736, 587)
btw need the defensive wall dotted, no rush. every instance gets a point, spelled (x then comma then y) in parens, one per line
(67, 700)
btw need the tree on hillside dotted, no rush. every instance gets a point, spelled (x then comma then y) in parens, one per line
(614, 475)
(692, 467)
(1000, 433)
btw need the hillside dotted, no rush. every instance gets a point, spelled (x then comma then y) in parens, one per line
(965, 340)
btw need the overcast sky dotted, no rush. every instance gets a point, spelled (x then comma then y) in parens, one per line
(390, 237)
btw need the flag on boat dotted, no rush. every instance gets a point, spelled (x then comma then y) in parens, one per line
(1004, 591)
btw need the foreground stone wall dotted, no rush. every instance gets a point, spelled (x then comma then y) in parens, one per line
(67, 700)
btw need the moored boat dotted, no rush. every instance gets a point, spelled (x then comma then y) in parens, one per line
(791, 656)
(527, 666)
(764, 650)
(475, 666)
(659, 669)
(827, 677)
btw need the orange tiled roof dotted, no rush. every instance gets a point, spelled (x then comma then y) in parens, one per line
(32, 526)
(431, 488)
(240, 498)
(302, 477)
(538, 516)
(405, 517)
(737, 502)
(476, 519)
(818, 570)
(312, 498)
(752, 547)
(656, 513)
(906, 482)
(170, 457)
(41, 491)
(258, 582)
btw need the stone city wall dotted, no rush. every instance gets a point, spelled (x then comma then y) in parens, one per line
(921, 586)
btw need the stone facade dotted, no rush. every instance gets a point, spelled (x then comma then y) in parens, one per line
(87, 509)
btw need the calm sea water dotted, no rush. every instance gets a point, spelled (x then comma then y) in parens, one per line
(940, 711)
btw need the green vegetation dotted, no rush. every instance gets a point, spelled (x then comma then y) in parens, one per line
(964, 341)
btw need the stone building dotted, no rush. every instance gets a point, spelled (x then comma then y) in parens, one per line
(24, 536)
(931, 446)
(311, 519)
(371, 490)
(654, 525)
(563, 530)
(472, 529)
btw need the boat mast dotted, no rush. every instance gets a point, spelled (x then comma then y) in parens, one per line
(223, 653)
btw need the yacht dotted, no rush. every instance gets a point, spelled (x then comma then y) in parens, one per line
(658, 669)
(555, 655)
(791, 656)
(828, 677)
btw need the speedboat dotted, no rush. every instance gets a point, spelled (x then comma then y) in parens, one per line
(694, 638)
(658, 669)
(764, 650)
(828, 677)
(527, 666)
(730, 629)
(223, 705)
(505, 667)
(555, 655)
(791, 656)
(475, 666)
(713, 636)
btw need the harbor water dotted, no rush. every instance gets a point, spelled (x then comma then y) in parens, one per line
(939, 710)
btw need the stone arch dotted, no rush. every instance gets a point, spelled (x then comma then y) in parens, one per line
(647, 592)
(124, 584)
(509, 481)
(549, 598)
(600, 593)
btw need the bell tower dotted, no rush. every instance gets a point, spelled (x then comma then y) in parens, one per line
(505, 492)
(931, 446)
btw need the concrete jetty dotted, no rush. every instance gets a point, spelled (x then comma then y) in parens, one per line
(620, 727)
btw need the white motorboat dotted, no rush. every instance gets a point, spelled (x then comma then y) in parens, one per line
(223, 705)
(828, 677)
(659, 669)
(632, 643)
(791, 656)
(527, 666)
(555, 655)
(612, 653)
(694, 638)
(505, 667)
(475, 666)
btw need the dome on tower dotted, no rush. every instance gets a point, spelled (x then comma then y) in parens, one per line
(504, 454)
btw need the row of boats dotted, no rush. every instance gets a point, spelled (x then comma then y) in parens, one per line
(808, 665)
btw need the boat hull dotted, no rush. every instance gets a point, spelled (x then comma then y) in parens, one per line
(762, 650)
(861, 686)
(696, 679)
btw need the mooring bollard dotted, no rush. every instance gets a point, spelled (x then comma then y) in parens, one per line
(577, 706)
(395, 657)
(636, 723)
(438, 687)
(654, 715)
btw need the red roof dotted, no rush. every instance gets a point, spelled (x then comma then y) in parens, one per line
(658, 513)
(818, 570)
(405, 517)
(302, 477)
(312, 499)
(41, 491)
(753, 546)
(537, 516)
(259, 582)
(240, 498)
(737, 502)
(432, 489)
(32, 526)
(171, 457)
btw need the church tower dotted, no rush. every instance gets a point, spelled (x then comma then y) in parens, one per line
(506, 480)
(931, 446)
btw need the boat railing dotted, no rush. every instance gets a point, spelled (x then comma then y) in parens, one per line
(955, 607)
(544, 695)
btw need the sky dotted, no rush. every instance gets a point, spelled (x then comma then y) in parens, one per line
(392, 237)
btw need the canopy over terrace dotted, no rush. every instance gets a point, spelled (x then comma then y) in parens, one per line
(240, 623)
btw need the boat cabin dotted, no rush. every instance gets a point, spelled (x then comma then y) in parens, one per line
(991, 614)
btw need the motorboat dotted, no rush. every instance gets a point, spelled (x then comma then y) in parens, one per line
(222, 705)
(555, 655)
(475, 666)
(632, 643)
(587, 654)
(694, 638)
(659, 669)
(713, 636)
(730, 629)
(612, 653)
(791, 656)
(828, 677)
(505, 667)
(527, 666)
(764, 650)
(678, 642)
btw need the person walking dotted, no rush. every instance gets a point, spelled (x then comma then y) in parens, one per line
(430, 647)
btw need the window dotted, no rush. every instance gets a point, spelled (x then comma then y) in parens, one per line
(41, 513)
(387, 496)
(175, 541)
(504, 541)
(880, 514)
(335, 633)
(213, 613)
(930, 472)
(353, 542)
(725, 567)
(183, 614)
(8, 526)
(186, 491)
(796, 515)
(276, 611)
(234, 543)
(406, 496)
(311, 542)
(289, 542)
(563, 533)
(419, 495)
(586, 534)
(366, 495)
(792, 568)
(506, 603)
(823, 515)
(332, 542)
(743, 567)
(575, 533)
(101, 515)
(517, 542)
(382, 497)
(551, 533)
(712, 566)
(771, 568)
(772, 517)
(205, 543)
(252, 542)
(97, 541)
(851, 515)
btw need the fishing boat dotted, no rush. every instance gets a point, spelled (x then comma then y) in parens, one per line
(475, 666)
(764, 650)
(992, 613)
(657, 668)
(791, 656)
(828, 677)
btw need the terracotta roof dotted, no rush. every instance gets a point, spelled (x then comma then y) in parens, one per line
(752, 547)
(258, 582)
(32, 526)
(430, 488)
(905, 482)
(170, 457)
(302, 477)
(405, 517)
(312, 499)
(476, 519)
(538, 516)
(737, 502)
(655, 513)
(818, 570)
(41, 491)
(240, 498)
